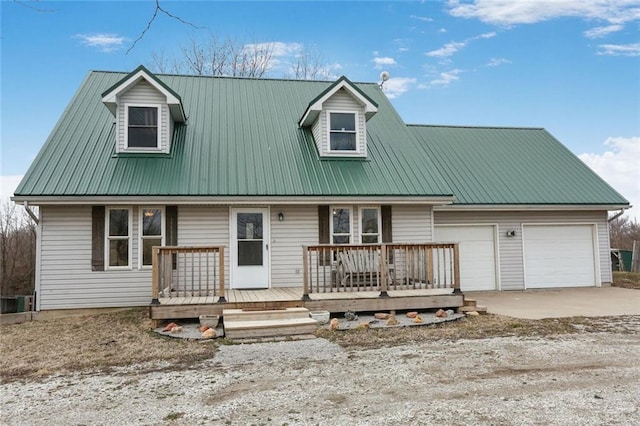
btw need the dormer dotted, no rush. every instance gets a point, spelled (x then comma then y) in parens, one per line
(337, 118)
(146, 111)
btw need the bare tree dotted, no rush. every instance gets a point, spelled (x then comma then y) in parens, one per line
(233, 58)
(309, 65)
(17, 251)
(623, 232)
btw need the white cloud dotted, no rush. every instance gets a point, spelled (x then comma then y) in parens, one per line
(381, 62)
(442, 30)
(421, 18)
(599, 32)
(104, 42)
(496, 62)
(632, 49)
(452, 47)
(8, 185)
(447, 50)
(443, 80)
(396, 86)
(619, 165)
(510, 12)
(277, 48)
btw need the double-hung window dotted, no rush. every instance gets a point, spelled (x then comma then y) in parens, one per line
(151, 233)
(118, 241)
(370, 225)
(342, 134)
(143, 127)
(340, 225)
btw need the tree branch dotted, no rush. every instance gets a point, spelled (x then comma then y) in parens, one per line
(37, 9)
(160, 9)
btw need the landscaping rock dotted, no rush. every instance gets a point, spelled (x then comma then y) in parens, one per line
(441, 314)
(170, 326)
(412, 314)
(381, 316)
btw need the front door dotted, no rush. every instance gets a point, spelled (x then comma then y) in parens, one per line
(249, 248)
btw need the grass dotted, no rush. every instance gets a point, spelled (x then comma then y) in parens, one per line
(102, 342)
(626, 280)
(99, 342)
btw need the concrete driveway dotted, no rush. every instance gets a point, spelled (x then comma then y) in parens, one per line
(558, 303)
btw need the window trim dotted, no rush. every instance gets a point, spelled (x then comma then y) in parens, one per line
(360, 222)
(350, 234)
(108, 238)
(141, 237)
(158, 146)
(358, 151)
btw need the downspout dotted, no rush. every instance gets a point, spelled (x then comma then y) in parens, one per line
(31, 213)
(617, 215)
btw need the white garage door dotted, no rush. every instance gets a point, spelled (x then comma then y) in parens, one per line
(477, 254)
(559, 256)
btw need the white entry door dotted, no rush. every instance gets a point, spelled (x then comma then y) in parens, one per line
(249, 257)
(477, 254)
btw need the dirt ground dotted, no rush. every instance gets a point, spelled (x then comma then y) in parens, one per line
(111, 369)
(590, 375)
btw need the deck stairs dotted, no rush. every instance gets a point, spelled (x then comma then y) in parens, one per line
(249, 324)
(472, 305)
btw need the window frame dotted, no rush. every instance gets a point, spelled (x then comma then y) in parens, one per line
(360, 224)
(108, 238)
(141, 236)
(331, 233)
(356, 117)
(158, 146)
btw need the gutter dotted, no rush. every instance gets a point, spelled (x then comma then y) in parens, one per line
(617, 215)
(31, 213)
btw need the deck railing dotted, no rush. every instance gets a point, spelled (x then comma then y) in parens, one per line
(188, 272)
(380, 267)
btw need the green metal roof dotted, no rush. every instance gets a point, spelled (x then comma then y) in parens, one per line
(488, 165)
(241, 139)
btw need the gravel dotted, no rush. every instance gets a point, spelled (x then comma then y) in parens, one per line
(577, 379)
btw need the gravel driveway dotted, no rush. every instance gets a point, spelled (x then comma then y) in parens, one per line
(579, 379)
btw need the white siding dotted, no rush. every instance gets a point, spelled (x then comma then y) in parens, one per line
(411, 224)
(143, 93)
(299, 227)
(205, 226)
(341, 101)
(66, 278)
(510, 248)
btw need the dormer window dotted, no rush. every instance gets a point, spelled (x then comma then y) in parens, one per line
(146, 111)
(343, 134)
(337, 119)
(142, 127)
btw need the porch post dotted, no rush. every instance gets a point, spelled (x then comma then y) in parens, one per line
(221, 298)
(305, 274)
(154, 275)
(384, 272)
(456, 269)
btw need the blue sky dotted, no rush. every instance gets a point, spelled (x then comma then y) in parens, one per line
(570, 66)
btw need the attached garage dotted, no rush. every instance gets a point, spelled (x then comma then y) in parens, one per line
(559, 256)
(477, 254)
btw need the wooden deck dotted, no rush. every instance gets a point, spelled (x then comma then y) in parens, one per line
(287, 297)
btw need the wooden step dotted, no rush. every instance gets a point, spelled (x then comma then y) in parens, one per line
(466, 308)
(470, 302)
(268, 314)
(269, 328)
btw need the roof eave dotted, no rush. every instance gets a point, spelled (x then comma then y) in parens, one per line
(109, 97)
(530, 207)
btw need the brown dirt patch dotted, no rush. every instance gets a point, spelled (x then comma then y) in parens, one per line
(42, 348)
(479, 327)
(626, 280)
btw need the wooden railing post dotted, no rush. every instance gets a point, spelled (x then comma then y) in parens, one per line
(456, 269)
(221, 298)
(155, 285)
(305, 274)
(384, 272)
